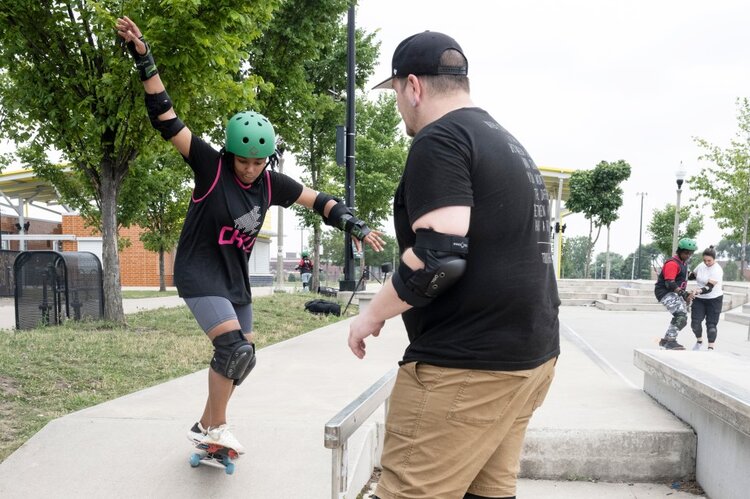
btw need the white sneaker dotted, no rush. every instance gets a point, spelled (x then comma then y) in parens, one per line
(197, 433)
(222, 436)
(698, 345)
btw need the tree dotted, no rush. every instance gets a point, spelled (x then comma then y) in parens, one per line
(309, 104)
(648, 253)
(597, 194)
(661, 227)
(731, 272)
(726, 183)
(67, 85)
(617, 264)
(730, 250)
(574, 257)
(164, 186)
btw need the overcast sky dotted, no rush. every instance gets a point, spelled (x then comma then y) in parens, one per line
(578, 82)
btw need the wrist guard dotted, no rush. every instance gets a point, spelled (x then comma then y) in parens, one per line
(340, 216)
(143, 62)
(707, 288)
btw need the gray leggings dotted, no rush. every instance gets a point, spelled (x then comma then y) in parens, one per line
(210, 311)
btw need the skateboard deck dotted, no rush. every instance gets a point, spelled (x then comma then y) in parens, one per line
(214, 455)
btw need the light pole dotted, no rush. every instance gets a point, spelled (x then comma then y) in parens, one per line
(680, 175)
(640, 233)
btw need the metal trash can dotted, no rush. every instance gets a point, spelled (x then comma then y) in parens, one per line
(51, 287)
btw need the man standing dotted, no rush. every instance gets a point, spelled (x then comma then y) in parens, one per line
(471, 211)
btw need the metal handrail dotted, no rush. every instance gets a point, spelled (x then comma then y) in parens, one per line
(348, 420)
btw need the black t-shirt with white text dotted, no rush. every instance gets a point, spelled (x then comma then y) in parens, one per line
(502, 314)
(222, 224)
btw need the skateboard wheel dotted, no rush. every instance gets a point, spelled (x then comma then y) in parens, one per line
(229, 468)
(195, 460)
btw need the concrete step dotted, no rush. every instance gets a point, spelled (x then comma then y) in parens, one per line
(738, 317)
(586, 289)
(618, 298)
(640, 307)
(636, 291)
(577, 302)
(608, 431)
(581, 296)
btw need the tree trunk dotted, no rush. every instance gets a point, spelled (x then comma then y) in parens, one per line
(315, 281)
(589, 247)
(607, 274)
(113, 311)
(744, 245)
(162, 281)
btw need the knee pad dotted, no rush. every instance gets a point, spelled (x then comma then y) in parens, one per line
(234, 356)
(679, 320)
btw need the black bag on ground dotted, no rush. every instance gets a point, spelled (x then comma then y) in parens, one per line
(323, 307)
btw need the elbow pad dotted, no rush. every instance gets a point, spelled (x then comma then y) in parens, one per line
(158, 104)
(444, 258)
(671, 286)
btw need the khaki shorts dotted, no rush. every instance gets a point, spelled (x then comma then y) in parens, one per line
(452, 431)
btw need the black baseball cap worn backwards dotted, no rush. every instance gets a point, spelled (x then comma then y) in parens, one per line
(420, 55)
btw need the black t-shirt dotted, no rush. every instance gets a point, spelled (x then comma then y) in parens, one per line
(503, 312)
(222, 223)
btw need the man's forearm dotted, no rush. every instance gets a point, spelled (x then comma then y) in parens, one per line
(386, 304)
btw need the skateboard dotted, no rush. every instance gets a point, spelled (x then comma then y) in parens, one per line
(214, 455)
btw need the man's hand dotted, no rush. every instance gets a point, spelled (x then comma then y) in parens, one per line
(360, 328)
(129, 32)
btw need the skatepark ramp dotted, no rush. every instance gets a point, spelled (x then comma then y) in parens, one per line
(51, 287)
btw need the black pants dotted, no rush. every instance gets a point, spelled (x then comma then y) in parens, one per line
(708, 309)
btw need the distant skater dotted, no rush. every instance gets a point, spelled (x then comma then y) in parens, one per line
(671, 291)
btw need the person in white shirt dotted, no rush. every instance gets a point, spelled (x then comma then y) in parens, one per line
(708, 298)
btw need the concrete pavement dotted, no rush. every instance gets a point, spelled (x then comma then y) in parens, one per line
(134, 446)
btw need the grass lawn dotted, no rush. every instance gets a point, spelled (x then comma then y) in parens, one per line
(49, 372)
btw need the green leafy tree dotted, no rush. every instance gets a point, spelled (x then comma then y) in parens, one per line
(731, 250)
(661, 227)
(574, 257)
(642, 270)
(309, 104)
(617, 265)
(725, 185)
(597, 195)
(164, 187)
(68, 85)
(731, 272)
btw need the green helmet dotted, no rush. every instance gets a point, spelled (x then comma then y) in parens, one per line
(250, 135)
(305, 254)
(687, 244)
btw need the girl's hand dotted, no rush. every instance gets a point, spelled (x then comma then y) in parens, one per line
(128, 31)
(372, 239)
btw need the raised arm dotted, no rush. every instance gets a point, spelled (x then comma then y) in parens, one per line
(336, 214)
(160, 111)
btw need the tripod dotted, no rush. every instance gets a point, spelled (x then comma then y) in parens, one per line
(384, 268)
(365, 275)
